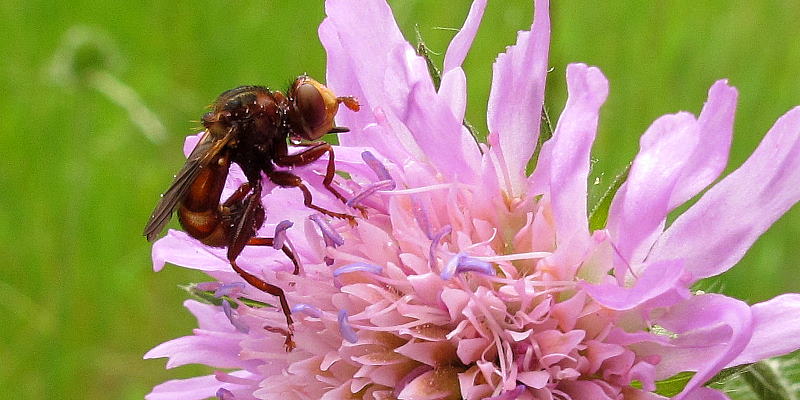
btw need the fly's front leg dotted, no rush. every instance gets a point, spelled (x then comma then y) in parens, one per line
(314, 151)
(288, 179)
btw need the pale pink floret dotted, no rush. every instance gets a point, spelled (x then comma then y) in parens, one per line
(471, 279)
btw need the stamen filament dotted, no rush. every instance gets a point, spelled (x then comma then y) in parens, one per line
(423, 189)
(534, 255)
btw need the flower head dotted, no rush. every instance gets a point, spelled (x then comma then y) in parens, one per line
(472, 279)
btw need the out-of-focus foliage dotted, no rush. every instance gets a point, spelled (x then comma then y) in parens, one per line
(97, 97)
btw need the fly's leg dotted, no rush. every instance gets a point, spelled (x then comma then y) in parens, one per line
(288, 179)
(275, 291)
(265, 241)
(312, 153)
(245, 226)
(239, 195)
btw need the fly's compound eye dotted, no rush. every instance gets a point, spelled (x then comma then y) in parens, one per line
(311, 107)
(208, 119)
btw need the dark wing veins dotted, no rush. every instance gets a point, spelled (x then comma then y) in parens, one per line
(205, 151)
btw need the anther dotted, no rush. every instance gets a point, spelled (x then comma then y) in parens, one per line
(225, 394)
(437, 238)
(356, 267)
(307, 309)
(234, 319)
(376, 166)
(330, 236)
(369, 190)
(345, 329)
(280, 234)
(463, 263)
(229, 289)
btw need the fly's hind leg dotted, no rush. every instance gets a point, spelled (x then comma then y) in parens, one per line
(275, 291)
(265, 241)
(247, 219)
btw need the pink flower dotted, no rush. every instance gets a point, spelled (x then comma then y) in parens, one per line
(471, 279)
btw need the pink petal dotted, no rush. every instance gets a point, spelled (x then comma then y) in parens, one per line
(201, 387)
(455, 300)
(569, 154)
(661, 284)
(453, 91)
(776, 330)
(356, 67)
(220, 350)
(178, 248)
(426, 387)
(430, 353)
(558, 344)
(428, 287)
(534, 379)
(515, 102)
(704, 393)
(709, 321)
(395, 89)
(640, 207)
(598, 352)
(470, 349)
(215, 342)
(462, 41)
(436, 131)
(584, 390)
(645, 373)
(568, 311)
(357, 23)
(209, 317)
(711, 154)
(716, 232)
(630, 393)
(190, 142)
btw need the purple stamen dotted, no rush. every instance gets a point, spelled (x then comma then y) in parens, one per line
(345, 329)
(464, 263)
(225, 394)
(233, 318)
(229, 289)
(509, 395)
(369, 190)
(376, 166)
(356, 267)
(307, 309)
(330, 236)
(437, 238)
(280, 234)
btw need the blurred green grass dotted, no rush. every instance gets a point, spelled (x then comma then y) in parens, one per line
(79, 178)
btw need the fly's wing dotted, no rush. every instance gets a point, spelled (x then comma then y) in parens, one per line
(206, 149)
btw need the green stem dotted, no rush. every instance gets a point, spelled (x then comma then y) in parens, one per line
(765, 382)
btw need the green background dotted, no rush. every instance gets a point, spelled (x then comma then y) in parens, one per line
(79, 301)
